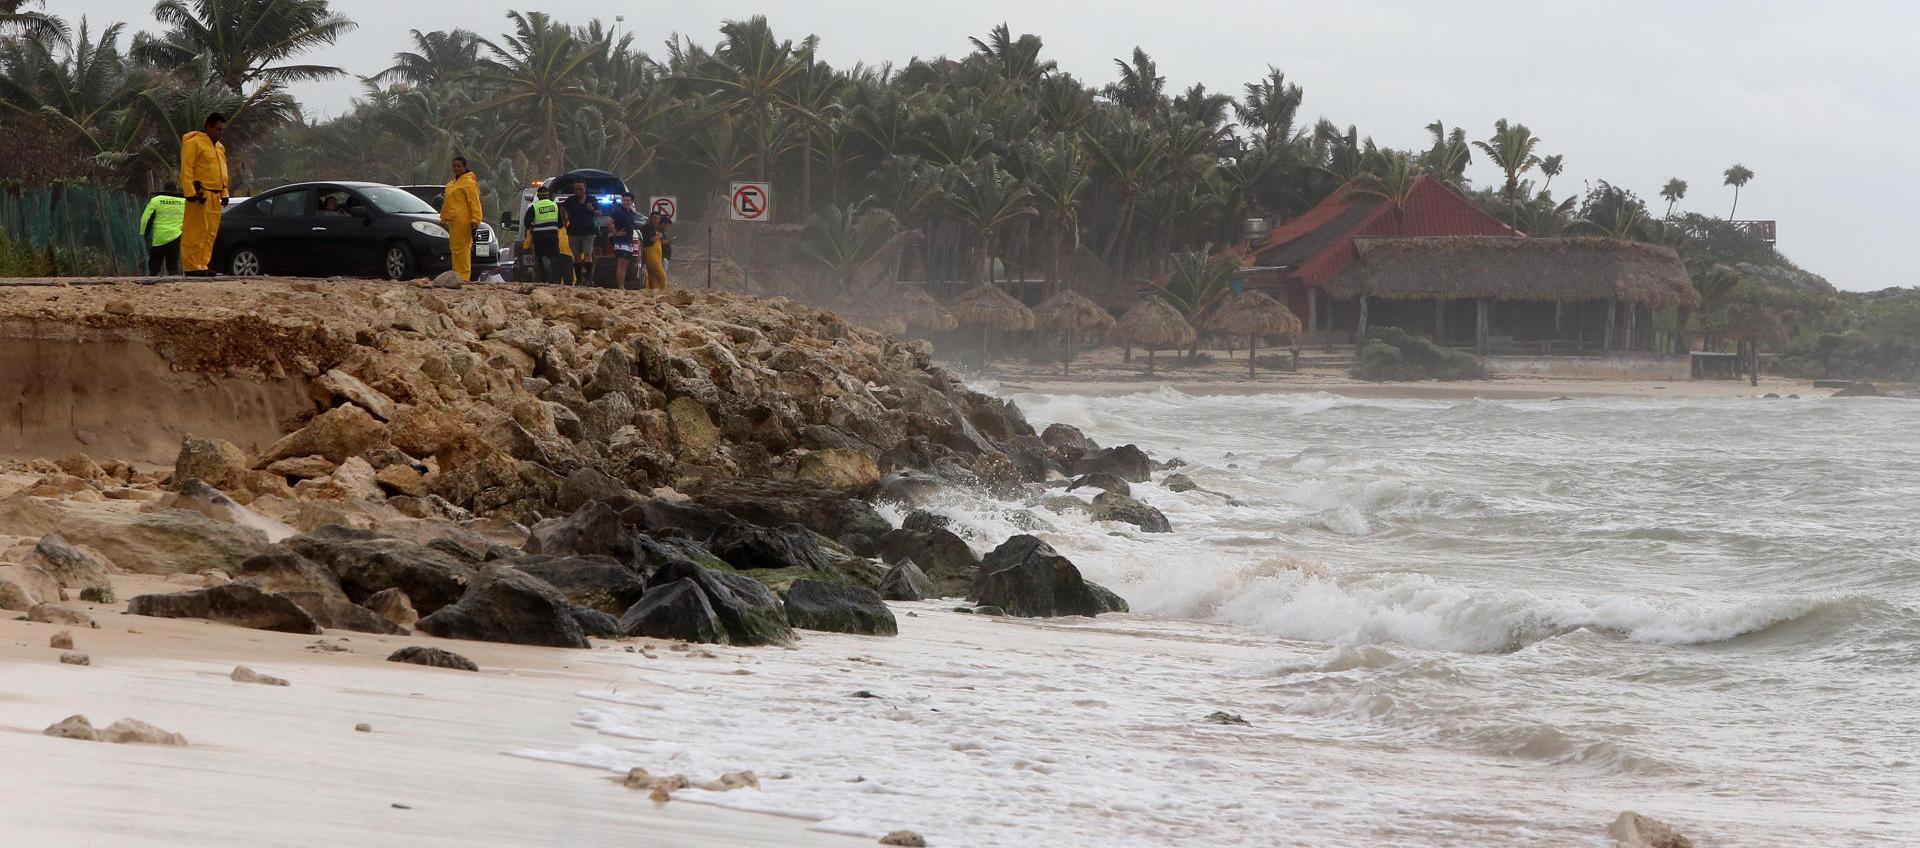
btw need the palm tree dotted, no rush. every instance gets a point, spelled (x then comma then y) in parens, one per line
(246, 41)
(1552, 167)
(1130, 152)
(182, 100)
(1140, 87)
(1272, 106)
(437, 58)
(539, 70)
(1511, 150)
(845, 239)
(1448, 158)
(29, 25)
(1197, 281)
(80, 84)
(983, 197)
(1056, 172)
(1674, 191)
(1393, 178)
(1737, 176)
(750, 74)
(1016, 60)
(1203, 108)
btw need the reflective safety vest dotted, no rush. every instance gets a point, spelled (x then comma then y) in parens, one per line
(546, 215)
(165, 214)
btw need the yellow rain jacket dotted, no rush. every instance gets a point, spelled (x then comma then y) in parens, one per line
(460, 211)
(203, 161)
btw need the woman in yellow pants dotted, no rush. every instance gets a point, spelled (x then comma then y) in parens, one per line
(654, 255)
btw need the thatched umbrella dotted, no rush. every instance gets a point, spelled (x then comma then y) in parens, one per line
(1071, 312)
(921, 311)
(870, 316)
(990, 307)
(1154, 323)
(1253, 315)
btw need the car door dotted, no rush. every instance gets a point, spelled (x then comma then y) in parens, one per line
(341, 242)
(277, 229)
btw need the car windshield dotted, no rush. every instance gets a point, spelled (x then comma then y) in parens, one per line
(396, 201)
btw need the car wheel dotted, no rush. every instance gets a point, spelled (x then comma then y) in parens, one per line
(399, 261)
(245, 262)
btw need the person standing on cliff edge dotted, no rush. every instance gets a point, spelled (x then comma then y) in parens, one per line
(203, 178)
(460, 213)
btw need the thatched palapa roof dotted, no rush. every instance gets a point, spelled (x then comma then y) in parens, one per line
(1154, 323)
(988, 304)
(921, 311)
(1561, 270)
(870, 316)
(1254, 314)
(1072, 311)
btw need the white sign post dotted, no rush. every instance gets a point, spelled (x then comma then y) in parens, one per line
(751, 203)
(668, 206)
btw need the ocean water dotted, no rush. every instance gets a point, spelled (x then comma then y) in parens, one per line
(1445, 622)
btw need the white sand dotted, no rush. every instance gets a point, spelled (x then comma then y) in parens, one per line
(273, 766)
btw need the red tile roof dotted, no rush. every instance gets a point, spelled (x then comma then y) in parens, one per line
(1318, 245)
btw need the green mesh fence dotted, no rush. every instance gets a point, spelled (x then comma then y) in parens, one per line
(70, 229)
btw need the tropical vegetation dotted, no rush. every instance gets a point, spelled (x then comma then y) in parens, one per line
(991, 165)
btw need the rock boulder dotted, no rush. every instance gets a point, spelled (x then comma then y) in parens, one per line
(838, 608)
(507, 605)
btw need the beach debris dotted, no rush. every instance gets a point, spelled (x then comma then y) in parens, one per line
(56, 614)
(62, 640)
(744, 779)
(363, 727)
(837, 608)
(242, 674)
(1632, 830)
(328, 646)
(1224, 717)
(75, 658)
(135, 731)
(434, 657)
(73, 727)
(904, 839)
(660, 795)
(399, 806)
(863, 694)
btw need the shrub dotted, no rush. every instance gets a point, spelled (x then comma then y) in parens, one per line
(1388, 353)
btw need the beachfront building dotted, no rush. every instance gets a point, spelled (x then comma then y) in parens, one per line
(1522, 296)
(1300, 257)
(1439, 266)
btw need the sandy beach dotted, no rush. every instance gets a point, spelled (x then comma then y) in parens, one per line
(283, 766)
(1104, 373)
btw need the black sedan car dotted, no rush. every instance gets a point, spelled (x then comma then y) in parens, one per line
(324, 229)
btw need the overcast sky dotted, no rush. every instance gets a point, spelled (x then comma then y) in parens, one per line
(1817, 98)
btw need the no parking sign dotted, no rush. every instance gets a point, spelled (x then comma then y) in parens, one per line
(751, 202)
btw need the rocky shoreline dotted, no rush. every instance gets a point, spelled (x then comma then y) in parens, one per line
(539, 466)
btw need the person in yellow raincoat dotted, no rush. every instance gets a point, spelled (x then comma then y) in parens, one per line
(460, 213)
(203, 179)
(653, 254)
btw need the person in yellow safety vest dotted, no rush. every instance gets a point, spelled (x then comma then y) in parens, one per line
(160, 225)
(203, 173)
(460, 213)
(543, 224)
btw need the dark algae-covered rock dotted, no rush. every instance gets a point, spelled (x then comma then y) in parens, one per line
(838, 608)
